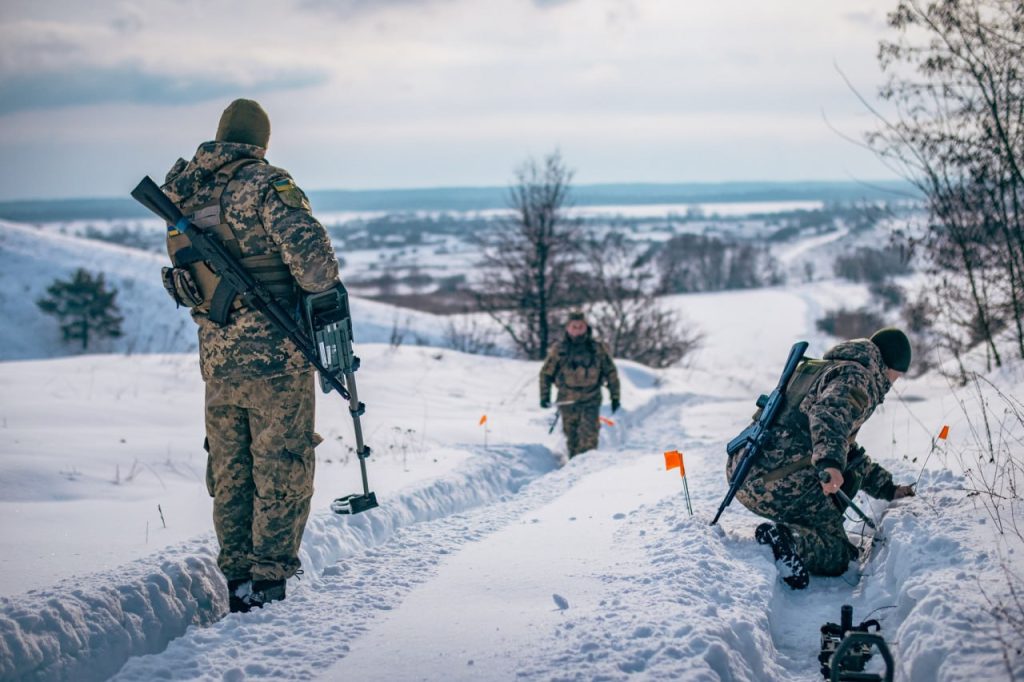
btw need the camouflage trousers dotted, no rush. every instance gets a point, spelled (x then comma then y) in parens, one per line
(580, 426)
(260, 471)
(815, 520)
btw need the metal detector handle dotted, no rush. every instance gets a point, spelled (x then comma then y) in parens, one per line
(855, 639)
(824, 477)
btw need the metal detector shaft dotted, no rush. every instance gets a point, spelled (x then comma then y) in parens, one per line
(356, 408)
(845, 499)
(554, 422)
(558, 413)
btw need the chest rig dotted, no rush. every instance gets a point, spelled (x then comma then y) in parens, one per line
(194, 284)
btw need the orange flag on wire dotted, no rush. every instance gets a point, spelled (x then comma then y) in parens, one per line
(606, 421)
(673, 459)
(483, 420)
(944, 433)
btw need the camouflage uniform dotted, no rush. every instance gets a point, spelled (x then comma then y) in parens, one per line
(259, 387)
(578, 367)
(817, 429)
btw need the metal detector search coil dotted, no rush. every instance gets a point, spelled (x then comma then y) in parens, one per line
(330, 324)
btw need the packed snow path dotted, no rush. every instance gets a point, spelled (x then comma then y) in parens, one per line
(453, 582)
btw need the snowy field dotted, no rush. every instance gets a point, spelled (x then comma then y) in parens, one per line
(491, 557)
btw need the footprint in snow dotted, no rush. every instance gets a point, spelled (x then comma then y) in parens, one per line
(561, 602)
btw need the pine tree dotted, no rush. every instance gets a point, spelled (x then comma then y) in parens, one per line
(84, 306)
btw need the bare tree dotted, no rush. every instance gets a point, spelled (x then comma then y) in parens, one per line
(529, 262)
(626, 311)
(955, 85)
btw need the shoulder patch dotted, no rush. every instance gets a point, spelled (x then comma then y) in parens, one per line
(290, 194)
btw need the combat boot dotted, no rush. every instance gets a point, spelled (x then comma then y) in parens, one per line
(265, 591)
(239, 590)
(791, 566)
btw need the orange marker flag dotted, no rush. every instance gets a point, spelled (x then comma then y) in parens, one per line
(483, 420)
(606, 421)
(673, 459)
(944, 433)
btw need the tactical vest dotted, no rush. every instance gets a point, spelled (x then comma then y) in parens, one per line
(793, 422)
(216, 298)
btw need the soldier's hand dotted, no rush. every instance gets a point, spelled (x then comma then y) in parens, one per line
(904, 491)
(834, 481)
(615, 405)
(545, 403)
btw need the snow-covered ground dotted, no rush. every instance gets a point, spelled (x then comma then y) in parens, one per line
(490, 557)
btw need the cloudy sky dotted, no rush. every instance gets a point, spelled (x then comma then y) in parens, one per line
(424, 93)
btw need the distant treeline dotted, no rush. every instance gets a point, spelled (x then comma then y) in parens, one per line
(482, 198)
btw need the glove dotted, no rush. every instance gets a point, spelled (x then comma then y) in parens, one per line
(545, 403)
(904, 491)
(615, 405)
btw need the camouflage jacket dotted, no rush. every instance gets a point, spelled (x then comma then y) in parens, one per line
(822, 429)
(579, 367)
(259, 194)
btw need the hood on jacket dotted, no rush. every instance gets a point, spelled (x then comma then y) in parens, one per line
(866, 354)
(186, 177)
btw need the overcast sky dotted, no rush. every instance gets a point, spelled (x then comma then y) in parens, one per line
(424, 93)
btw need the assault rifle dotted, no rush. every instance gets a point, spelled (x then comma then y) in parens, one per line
(334, 369)
(752, 438)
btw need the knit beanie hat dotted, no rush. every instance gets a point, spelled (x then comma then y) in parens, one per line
(577, 315)
(895, 347)
(244, 121)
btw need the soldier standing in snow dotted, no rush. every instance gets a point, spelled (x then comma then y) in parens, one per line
(259, 387)
(579, 364)
(827, 401)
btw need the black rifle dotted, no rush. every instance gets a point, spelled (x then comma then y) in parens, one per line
(255, 295)
(752, 438)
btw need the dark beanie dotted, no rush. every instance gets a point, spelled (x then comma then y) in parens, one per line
(895, 347)
(244, 121)
(577, 315)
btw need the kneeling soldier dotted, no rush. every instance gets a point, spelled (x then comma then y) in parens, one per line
(827, 401)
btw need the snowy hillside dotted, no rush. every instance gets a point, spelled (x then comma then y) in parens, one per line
(30, 259)
(488, 559)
